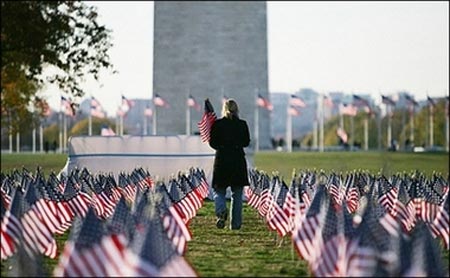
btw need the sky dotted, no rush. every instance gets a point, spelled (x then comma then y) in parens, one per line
(354, 47)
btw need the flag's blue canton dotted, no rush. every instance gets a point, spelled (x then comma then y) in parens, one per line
(122, 221)
(87, 232)
(152, 244)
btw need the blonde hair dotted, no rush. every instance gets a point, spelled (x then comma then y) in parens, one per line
(230, 109)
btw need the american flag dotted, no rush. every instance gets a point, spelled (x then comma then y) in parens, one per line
(176, 195)
(291, 203)
(191, 102)
(440, 225)
(404, 209)
(122, 221)
(141, 178)
(304, 194)
(159, 101)
(387, 197)
(102, 199)
(263, 204)
(96, 108)
(296, 101)
(90, 251)
(153, 247)
(11, 228)
(277, 219)
(307, 232)
(5, 199)
(208, 119)
(140, 204)
(67, 107)
(387, 100)
(184, 200)
(23, 226)
(252, 192)
(410, 100)
(61, 207)
(37, 235)
(78, 201)
(352, 193)
(127, 187)
(420, 255)
(336, 243)
(372, 240)
(387, 193)
(127, 104)
(198, 179)
(348, 109)
(173, 222)
(45, 218)
(263, 102)
(335, 189)
(190, 188)
(359, 101)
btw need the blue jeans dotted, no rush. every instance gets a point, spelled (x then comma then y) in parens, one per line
(235, 207)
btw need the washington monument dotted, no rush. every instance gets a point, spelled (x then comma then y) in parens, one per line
(210, 50)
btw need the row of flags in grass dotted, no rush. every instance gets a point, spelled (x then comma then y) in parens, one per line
(131, 226)
(358, 224)
(295, 102)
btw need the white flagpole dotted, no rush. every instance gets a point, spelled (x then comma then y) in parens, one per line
(18, 142)
(379, 128)
(10, 134)
(60, 131)
(321, 122)
(446, 126)
(34, 140)
(188, 115)
(289, 130)
(145, 124)
(33, 133)
(256, 121)
(389, 131)
(10, 140)
(90, 122)
(118, 125)
(315, 126)
(411, 119)
(41, 137)
(366, 132)
(90, 117)
(121, 125)
(65, 133)
(352, 126)
(431, 126)
(154, 119)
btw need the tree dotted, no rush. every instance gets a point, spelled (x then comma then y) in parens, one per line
(47, 42)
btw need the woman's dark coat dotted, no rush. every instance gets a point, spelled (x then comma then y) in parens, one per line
(228, 138)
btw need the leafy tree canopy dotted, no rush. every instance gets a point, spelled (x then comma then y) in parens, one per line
(48, 42)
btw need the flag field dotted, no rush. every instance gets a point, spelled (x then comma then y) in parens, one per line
(254, 250)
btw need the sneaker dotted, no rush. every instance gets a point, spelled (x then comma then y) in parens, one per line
(221, 220)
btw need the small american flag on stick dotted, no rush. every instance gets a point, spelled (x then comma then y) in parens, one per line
(208, 118)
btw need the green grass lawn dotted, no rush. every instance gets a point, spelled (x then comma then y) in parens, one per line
(387, 163)
(254, 250)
